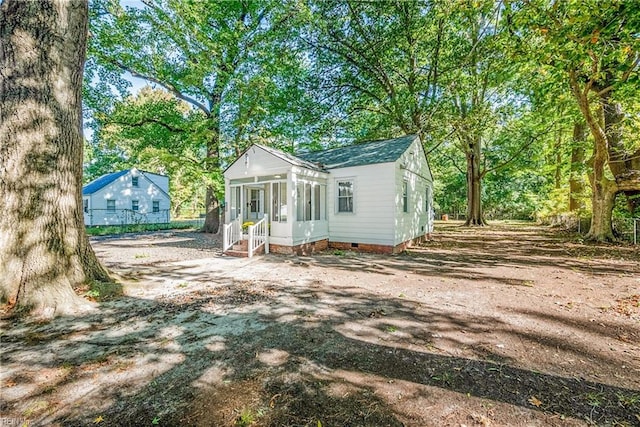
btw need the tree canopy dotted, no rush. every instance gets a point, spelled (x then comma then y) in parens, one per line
(527, 109)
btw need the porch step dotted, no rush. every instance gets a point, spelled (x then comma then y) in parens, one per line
(238, 252)
(242, 245)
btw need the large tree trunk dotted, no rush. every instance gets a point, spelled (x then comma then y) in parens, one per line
(603, 189)
(211, 202)
(602, 201)
(474, 186)
(44, 250)
(576, 181)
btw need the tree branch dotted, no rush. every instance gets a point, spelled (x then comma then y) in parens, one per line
(141, 123)
(518, 151)
(165, 85)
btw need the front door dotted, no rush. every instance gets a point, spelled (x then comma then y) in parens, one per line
(255, 209)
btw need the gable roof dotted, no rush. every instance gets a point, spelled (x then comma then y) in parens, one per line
(103, 181)
(289, 158)
(107, 179)
(366, 153)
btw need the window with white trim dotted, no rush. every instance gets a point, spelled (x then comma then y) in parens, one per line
(111, 205)
(235, 202)
(156, 206)
(85, 205)
(310, 200)
(427, 198)
(134, 181)
(345, 195)
(279, 198)
(405, 196)
(135, 205)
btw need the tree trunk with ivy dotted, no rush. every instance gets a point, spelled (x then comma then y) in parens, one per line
(44, 250)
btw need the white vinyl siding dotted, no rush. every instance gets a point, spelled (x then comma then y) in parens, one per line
(372, 220)
(256, 162)
(411, 173)
(113, 203)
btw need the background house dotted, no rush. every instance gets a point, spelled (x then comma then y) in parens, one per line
(130, 196)
(374, 196)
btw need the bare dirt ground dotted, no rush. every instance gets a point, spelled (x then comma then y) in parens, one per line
(512, 325)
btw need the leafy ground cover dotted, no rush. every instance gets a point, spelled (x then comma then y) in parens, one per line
(510, 325)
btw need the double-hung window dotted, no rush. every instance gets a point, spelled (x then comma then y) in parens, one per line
(405, 196)
(111, 205)
(345, 195)
(134, 181)
(135, 205)
(156, 206)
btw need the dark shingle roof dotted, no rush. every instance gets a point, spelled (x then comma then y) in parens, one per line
(367, 153)
(103, 181)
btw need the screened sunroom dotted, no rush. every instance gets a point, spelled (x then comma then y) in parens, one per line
(276, 200)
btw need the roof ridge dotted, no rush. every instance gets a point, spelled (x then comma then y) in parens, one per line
(360, 143)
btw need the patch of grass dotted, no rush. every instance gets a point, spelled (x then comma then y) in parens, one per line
(106, 230)
(595, 399)
(391, 329)
(444, 378)
(35, 408)
(338, 252)
(137, 256)
(628, 400)
(249, 417)
(103, 291)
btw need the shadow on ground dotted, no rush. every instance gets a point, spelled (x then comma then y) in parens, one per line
(277, 355)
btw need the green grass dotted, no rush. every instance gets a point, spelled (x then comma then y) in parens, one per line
(105, 230)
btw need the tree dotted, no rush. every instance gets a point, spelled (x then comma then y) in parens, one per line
(595, 47)
(477, 84)
(154, 131)
(194, 50)
(44, 250)
(378, 66)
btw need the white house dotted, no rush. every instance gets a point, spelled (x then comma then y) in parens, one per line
(130, 196)
(375, 196)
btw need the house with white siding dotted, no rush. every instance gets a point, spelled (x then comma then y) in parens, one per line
(375, 196)
(126, 197)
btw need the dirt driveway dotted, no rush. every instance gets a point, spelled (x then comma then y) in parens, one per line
(514, 325)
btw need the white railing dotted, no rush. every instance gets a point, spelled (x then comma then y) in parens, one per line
(259, 235)
(232, 234)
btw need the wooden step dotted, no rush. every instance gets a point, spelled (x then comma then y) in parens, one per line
(238, 254)
(238, 251)
(242, 245)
